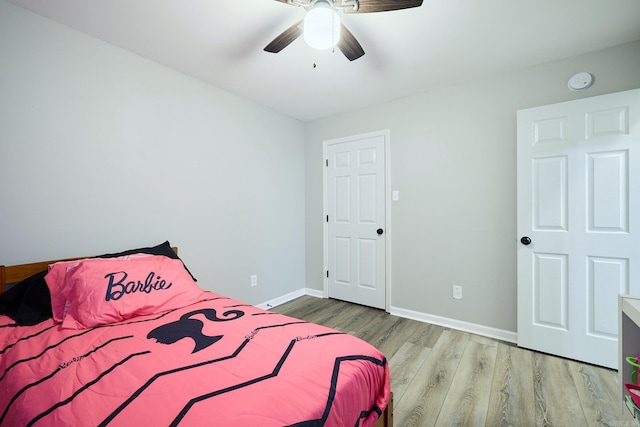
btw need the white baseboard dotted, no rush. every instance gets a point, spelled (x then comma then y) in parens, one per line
(314, 293)
(290, 297)
(473, 328)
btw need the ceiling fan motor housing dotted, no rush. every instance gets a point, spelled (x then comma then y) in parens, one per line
(346, 5)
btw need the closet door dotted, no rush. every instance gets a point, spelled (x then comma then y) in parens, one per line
(356, 224)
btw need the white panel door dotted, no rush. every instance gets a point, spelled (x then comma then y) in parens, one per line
(356, 216)
(578, 219)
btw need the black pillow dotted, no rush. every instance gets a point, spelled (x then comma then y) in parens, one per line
(161, 249)
(29, 302)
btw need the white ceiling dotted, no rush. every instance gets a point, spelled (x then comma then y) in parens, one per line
(408, 51)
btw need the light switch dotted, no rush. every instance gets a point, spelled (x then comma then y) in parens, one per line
(395, 195)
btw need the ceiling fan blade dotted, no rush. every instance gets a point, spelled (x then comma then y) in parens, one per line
(367, 6)
(348, 44)
(285, 38)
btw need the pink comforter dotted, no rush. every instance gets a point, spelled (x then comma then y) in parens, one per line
(216, 363)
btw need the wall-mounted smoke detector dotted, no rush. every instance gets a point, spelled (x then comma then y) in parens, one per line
(580, 81)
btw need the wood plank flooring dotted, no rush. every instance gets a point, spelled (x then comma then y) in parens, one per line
(445, 377)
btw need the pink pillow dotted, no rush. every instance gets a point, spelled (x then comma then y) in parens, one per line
(105, 291)
(56, 279)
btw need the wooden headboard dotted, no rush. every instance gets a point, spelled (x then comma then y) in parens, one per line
(16, 273)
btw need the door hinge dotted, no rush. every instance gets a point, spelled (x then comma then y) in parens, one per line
(327, 273)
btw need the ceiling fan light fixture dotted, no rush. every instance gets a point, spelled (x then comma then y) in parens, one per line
(321, 26)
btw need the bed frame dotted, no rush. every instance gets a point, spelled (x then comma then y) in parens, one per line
(15, 273)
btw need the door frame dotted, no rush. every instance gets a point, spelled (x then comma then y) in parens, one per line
(386, 134)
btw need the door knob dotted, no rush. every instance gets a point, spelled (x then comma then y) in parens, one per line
(379, 231)
(526, 240)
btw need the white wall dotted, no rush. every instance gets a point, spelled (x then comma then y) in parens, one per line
(102, 150)
(453, 159)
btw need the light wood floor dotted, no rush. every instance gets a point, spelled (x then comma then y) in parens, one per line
(444, 377)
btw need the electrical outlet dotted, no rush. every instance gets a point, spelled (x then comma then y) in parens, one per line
(457, 291)
(254, 280)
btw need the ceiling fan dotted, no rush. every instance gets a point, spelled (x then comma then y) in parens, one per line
(339, 34)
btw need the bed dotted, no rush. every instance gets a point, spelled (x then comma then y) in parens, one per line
(133, 340)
